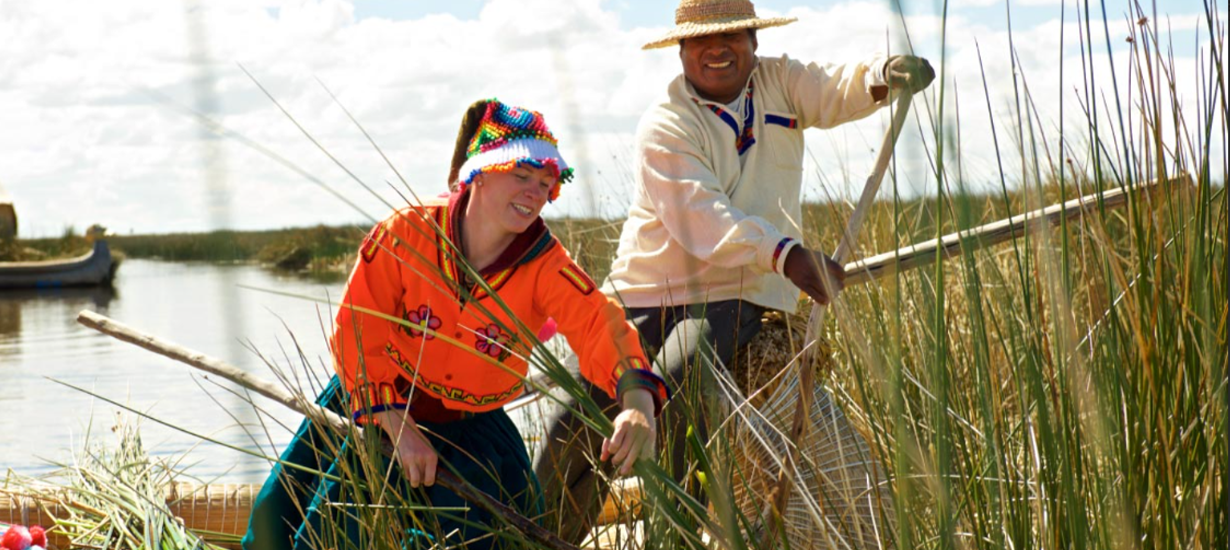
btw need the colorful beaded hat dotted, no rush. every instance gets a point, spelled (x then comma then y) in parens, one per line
(507, 137)
(695, 18)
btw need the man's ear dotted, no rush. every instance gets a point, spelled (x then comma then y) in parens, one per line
(755, 43)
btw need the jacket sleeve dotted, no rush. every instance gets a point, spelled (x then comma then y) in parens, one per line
(678, 179)
(359, 338)
(608, 347)
(828, 95)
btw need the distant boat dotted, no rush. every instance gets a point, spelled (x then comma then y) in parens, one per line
(8, 215)
(94, 268)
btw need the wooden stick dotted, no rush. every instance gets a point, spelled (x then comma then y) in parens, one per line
(798, 429)
(910, 257)
(298, 404)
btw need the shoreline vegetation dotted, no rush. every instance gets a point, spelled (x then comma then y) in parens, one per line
(328, 252)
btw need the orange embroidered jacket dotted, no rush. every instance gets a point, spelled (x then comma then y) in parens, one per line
(456, 342)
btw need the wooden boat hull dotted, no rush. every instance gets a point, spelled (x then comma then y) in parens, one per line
(94, 268)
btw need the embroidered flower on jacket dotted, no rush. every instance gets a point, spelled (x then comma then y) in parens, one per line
(422, 319)
(494, 342)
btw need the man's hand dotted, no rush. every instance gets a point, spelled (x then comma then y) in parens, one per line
(417, 457)
(635, 432)
(907, 72)
(805, 268)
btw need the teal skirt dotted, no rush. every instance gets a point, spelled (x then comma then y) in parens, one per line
(298, 508)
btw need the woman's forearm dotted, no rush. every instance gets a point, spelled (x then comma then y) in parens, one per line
(639, 399)
(393, 421)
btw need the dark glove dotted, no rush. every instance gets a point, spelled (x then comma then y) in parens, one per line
(908, 72)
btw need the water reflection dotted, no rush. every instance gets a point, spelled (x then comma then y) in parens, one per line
(39, 301)
(199, 306)
(99, 296)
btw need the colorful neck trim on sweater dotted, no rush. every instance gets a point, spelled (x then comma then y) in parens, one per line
(746, 138)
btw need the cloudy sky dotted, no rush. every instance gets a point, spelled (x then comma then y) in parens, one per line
(96, 98)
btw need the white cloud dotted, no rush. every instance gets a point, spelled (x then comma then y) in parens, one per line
(958, 4)
(83, 140)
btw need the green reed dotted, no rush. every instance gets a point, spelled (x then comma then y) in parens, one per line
(1069, 390)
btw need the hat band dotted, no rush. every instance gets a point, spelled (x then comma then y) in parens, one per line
(708, 12)
(535, 149)
(533, 152)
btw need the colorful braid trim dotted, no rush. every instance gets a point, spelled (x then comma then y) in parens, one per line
(564, 176)
(746, 138)
(373, 398)
(781, 121)
(579, 279)
(777, 253)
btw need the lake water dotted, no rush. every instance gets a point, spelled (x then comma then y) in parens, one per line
(199, 306)
(203, 307)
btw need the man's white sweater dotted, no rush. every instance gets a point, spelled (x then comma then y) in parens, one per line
(709, 223)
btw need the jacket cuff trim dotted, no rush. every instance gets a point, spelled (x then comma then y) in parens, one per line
(780, 253)
(644, 379)
(374, 398)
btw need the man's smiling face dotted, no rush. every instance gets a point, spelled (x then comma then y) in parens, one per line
(718, 65)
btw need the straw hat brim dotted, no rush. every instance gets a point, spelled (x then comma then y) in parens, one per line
(692, 30)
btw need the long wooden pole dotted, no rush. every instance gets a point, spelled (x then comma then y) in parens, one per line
(200, 361)
(924, 253)
(849, 239)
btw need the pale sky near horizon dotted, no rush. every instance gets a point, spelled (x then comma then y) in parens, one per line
(91, 96)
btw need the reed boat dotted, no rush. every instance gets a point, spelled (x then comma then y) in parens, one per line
(96, 267)
(224, 508)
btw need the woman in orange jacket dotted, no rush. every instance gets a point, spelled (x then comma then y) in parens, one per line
(466, 275)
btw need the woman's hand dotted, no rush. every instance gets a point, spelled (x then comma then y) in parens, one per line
(636, 432)
(417, 457)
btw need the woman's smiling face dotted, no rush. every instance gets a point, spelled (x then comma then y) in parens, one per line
(512, 200)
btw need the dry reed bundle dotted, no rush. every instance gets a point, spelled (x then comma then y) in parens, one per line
(840, 498)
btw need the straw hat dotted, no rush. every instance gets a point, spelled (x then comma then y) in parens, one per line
(701, 17)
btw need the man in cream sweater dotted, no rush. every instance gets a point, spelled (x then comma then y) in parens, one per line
(713, 236)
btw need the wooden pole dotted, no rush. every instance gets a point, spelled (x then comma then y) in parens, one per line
(924, 253)
(298, 404)
(798, 429)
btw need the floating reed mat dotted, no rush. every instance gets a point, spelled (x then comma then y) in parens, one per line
(118, 496)
(205, 509)
(217, 509)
